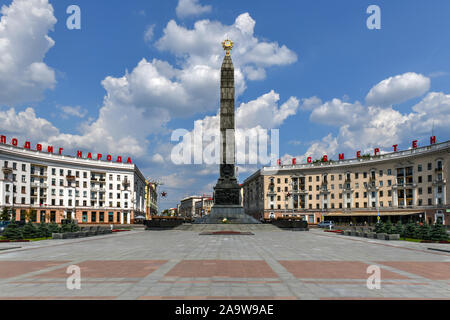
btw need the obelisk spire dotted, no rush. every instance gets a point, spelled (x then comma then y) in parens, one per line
(227, 124)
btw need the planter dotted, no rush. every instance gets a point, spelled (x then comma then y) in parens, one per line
(371, 235)
(353, 233)
(393, 236)
(57, 236)
(347, 233)
(381, 236)
(366, 234)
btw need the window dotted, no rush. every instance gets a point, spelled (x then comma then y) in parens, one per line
(420, 202)
(286, 180)
(429, 166)
(310, 188)
(365, 175)
(101, 217)
(381, 193)
(310, 179)
(317, 197)
(340, 177)
(278, 180)
(430, 202)
(24, 179)
(430, 190)
(24, 167)
(381, 173)
(389, 183)
(381, 183)
(332, 177)
(356, 175)
(419, 179)
(419, 168)
(93, 216)
(430, 178)
(389, 172)
(14, 166)
(85, 175)
(317, 178)
(356, 194)
(420, 190)
(118, 177)
(24, 190)
(61, 172)
(389, 193)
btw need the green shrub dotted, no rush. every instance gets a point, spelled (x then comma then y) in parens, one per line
(438, 232)
(29, 231)
(423, 232)
(379, 227)
(44, 231)
(54, 228)
(388, 228)
(411, 230)
(399, 229)
(13, 232)
(74, 227)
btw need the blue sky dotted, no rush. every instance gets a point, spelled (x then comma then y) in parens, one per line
(316, 58)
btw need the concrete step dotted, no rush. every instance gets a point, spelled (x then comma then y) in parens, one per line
(227, 227)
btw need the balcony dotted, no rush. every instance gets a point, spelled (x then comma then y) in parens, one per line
(71, 178)
(7, 170)
(38, 184)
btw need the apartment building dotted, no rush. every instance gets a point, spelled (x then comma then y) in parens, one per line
(58, 187)
(399, 185)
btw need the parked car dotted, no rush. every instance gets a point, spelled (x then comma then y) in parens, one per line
(325, 224)
(3, 225)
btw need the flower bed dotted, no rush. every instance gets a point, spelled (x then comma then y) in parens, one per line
(334, 231)
(119, 230)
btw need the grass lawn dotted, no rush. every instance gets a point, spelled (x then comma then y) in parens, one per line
(410, 239)
(34, 239)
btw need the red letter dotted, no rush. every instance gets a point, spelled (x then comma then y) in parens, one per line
(79, 154)
(341, 156)
(3, 139)
(325, 158)
(414, 144)
(433, 140)
(377, 151)
(89, 156)
(129, 160)
(358, 154)
(279, 162)
(294, 161)
(27, 145)
(309, 160)
(119, 159)
(60, 151)
(99, 156)
(14, 142)
(39, 147)
(108, 157)
(395, 147)
(50, 149)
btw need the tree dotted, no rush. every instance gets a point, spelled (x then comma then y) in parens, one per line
(29, 231)
(6, 214)
(379, 227)
(13, 232)
(398, 229)
(438, 232)
(54, 228)
(388, 227)
(423, 232)
(30, 215)
(44, 231)
(411, 230)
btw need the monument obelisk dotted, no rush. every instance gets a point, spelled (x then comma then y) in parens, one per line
(227, 194)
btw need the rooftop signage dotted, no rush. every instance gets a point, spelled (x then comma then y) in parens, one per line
(358, 153)
(51, 149)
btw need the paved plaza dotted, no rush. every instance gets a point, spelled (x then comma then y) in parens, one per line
(183, 264)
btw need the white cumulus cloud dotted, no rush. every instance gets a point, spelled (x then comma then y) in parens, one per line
(24, 41)
(398, 89)
(187, 8)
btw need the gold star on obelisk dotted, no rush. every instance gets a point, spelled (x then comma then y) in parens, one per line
(227, 45)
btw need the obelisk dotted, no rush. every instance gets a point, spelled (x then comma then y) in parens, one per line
(227, 199)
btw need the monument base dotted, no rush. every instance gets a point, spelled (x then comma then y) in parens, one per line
(234, 215)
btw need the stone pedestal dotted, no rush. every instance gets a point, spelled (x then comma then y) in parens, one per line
(234, 214)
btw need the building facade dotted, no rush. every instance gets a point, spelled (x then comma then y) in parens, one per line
(203, 207)
(57, 187)
(151, 199)
(187, 206)
(400, 185)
